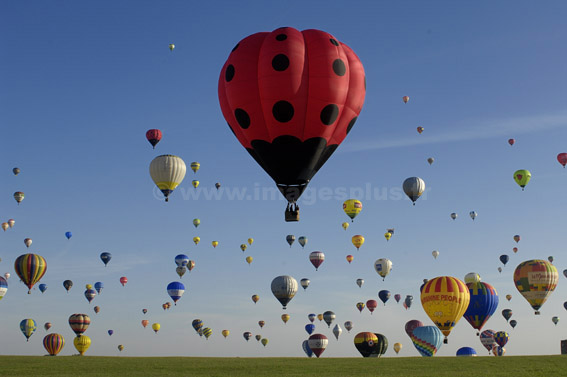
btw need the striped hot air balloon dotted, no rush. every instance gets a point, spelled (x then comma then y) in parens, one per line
(53, 343)
(318, 343)
(30, 268)
(536, 280)
(427, 340)
(167, 172)
(79, 323)
(365, 342)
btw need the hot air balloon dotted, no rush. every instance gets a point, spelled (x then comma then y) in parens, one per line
(198, 326)
(507, 314)
(290, 238)
(302, 241)
(360, 306)
(445, 299)
(3, 287)
(225, 333)
(167, 172)
(435, 254)
(90, 294)
(550, 259)
(196, 240)
(517, 238)
(472, 277)
(500, 269)
(105, 257)
(11, 223)
(144, 311)
(318, 343)
(348, 325)
(397, 297)
(358, 241)
(264, 341)
(175, 290)
(256, 99)
(337, 331)
(473, 215)
(413, 188)
(207, 332)
(68, 235)
(405, 99)
(19, 196)
(359, 282)
(316, 258)
(47, 326)
(5, 226)
(99, 286)
(120, 347)
(387, 236)
(261, 323)
(171, 46)
(384, 296)
(352, 208)
(53, 343)
(123, 280)
(501, 338)
(365, 343)
(515, 249)
(371, 305)
(247, 335)
(96, 309)
(312, 317)
(345, 225)
(16, 171)
(250, 241)
(483, 303)
(156, 327)
(190, 265)
(181, 260)
(30, 268)
(408, 301)
(215, 243)
(79, 323)
(255, 298)
(511, 141)
(522, 177)
(28, 327)
(67, 284)
(258, 337)
(43, 287)
(320, 316)
(504, 259)
(508, 297)
(181, 271)
(555, 320)
(430, 160)
(329, 317)
(195, 166)
(306, 349)
(536, 280)
(411, 325)
(383, 267)
(349, 258)
(305, 283)
(110, 332)
(196, 223)
(88, 286)
(562, 158)
(284, 289)
(487, 339)
(420, 129)
(249, 259)
(513, 323)
(28, 242)
(82, 343)
(453, 215)
(154, 135)
(380, 347)
(427, 340)
(397, 347)
(466, 351)
(285, 318)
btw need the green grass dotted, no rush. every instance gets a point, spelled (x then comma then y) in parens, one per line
(75, 366)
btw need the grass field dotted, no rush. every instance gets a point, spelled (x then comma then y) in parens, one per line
(32, 366)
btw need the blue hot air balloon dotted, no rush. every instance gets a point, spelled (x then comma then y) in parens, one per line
(43, 287)
(466, 351)
(483, 303)
(310, 328)
(110, 332)
(98, 286)
(427, 340)
(504, 259)
(384, 296)
(181, 260)
(312, 316)
(175, 290)
(68, 235)
(105, 258)
(306, 348)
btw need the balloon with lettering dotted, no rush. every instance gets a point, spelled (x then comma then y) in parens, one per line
(536, 280)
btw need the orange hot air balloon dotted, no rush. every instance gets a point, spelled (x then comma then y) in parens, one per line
(145, 322)
(536, 280)
(349, 258)
(445, 299)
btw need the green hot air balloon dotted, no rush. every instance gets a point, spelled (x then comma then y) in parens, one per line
(522, 177)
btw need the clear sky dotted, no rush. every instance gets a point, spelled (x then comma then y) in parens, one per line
(81, 82)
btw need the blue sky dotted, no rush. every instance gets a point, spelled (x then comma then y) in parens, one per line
(80, 83)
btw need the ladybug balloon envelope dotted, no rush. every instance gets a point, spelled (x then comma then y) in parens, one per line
(290, 97)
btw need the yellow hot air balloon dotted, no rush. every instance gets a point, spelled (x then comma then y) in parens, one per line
(215, 243)
(345, 225)
(156, 327)
(536, 280)
(352, 208)
(320, 317)
(508, 297)
(195, 183)
(225, 333)
(358, 241)
(397, 347)
(522, 177)
(82, 343)
(250, 241)
(195, 166)
(243, 247)
(167, 172)
(255, 298)
(249, 259)
(171, 46)
(196, 240)
(88, 286)
(445, 299)
(387, 235)
(285, 318)
(120, 347)
(5, 226)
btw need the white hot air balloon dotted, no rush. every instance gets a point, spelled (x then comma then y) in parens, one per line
(337, 331)
(284, 289)
(473, 215)
(472, 277)
(383, 267)
(348, 325)
(414, 187)
(305, 283)
(435, 254)
(167, 172)
(359, 282)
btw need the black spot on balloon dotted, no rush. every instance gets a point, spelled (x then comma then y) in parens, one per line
(281, 37)
(229, 73)
(280, 62)
(235, 47)
(351, 124)
(242, 118)
(329, 114)
(283, 111)
(339, 67)
(334, 41)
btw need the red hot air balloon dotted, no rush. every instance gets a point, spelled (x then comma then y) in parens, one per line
(511, 141)
(290, 97)
(562, 158)
(153, 136)
(79, 323)
(318, 343)
(317, 258)
(123, 280)
(371, 305)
